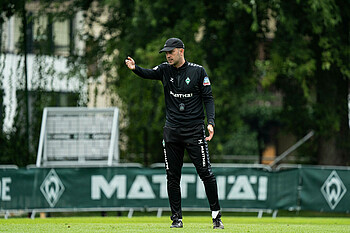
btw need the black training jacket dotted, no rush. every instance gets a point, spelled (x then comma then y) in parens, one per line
(185, 90)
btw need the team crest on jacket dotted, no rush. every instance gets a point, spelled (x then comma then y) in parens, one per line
(188, 80)
(206, 81)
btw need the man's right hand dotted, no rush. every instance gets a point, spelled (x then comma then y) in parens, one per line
(130, 63)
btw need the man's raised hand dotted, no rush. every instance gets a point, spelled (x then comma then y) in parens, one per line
(130, 63)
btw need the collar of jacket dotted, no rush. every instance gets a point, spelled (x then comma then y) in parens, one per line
(183, 67)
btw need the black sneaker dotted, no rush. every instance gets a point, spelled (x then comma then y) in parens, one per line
(217, 223)
(177, 223)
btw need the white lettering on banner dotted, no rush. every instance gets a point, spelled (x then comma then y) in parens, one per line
(161, 179)
(99, 183)
(221, 181)
(262, 196)
(141, 189)
(5, 189)
(185, 180)
(252, 179)
(241, 189)
(200, 190)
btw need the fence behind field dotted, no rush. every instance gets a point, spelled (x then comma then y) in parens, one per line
(241, 187)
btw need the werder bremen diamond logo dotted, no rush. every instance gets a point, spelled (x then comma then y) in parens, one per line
(333, 189)
(52, 188)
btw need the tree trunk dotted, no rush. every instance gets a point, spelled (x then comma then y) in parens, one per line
(327, 154)
(343, 137)
(332, 117)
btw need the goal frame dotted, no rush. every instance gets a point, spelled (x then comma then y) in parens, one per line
(113, 150)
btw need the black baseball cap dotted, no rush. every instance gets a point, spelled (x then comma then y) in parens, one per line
(171, 44)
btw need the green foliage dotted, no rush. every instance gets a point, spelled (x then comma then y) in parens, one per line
(309, 63)
(243, 142)
(10, 7)
(18, 145)
(230, 42)
(139, 29)
(222, 37)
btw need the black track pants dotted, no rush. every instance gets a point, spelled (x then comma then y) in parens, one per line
(176, 140)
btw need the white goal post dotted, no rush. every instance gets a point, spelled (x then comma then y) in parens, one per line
(77, 136)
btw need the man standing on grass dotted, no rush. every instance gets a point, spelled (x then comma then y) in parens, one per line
(186, 88)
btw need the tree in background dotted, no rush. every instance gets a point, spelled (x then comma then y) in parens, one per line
(225, 37)
(8, 143)
(19, 144)
(232, 34)
(310, 64)
(139, 29)
(306, 60)
(212, 37)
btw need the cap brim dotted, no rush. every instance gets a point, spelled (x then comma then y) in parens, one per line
(166, 49)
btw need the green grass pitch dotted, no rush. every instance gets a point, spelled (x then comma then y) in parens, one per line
(162, 224)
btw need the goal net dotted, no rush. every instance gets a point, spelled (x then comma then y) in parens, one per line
(72, 136)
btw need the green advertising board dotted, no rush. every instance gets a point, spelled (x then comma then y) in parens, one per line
(103, 188)
(325, 190)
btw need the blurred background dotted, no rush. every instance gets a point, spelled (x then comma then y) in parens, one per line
(279, 71)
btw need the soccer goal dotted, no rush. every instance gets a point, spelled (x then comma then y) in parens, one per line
(74, 136)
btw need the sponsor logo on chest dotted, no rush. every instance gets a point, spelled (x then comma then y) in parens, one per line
(176, 95)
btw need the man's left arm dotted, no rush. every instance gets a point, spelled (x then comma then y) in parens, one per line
(208, 101)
